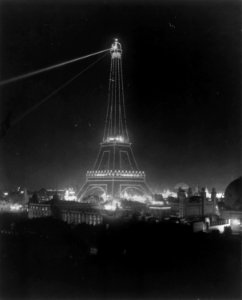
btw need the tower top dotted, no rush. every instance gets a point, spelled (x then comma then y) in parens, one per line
(116, 49)
(115, 126)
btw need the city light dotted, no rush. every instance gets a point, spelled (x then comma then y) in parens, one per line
(160, 208)
(168, 193)
(220, 195)
(235, 222)
(115, 173)
(112, 205)
(70, 195)
(15, 207)
(136, 197)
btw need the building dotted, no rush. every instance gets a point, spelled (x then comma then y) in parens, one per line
(115, 174)
(232, 208)
(71, 212)
(14, 201)
(188, 205)
(233, 195)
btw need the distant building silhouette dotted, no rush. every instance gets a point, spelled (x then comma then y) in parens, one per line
(194, 205)
(233, 194)
(71, 212)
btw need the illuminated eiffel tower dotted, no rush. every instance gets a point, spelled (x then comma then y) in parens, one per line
(115, 174)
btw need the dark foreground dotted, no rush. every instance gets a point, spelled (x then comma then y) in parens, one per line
(47, 259)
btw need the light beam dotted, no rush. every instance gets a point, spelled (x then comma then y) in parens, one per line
(23, 76)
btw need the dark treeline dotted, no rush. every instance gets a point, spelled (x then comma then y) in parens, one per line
(47, 258)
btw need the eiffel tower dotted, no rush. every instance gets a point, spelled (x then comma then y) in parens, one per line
(115, 173)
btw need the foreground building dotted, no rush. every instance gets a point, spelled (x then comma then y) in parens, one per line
(189, 205)
(68, 211)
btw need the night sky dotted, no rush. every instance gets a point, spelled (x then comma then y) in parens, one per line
(182, 80)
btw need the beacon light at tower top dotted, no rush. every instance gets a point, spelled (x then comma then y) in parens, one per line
(116, 46)
(116, 49)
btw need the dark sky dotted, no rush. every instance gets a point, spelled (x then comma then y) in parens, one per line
(182, 81)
